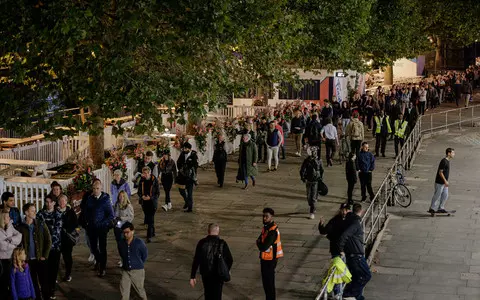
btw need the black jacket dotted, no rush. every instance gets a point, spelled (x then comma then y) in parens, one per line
(298, 122)
(209, 244)
(149, 187)
(351, 171)
(334, 229)
(187, 168)
(69, 224)
(351, 240)
(219, 154)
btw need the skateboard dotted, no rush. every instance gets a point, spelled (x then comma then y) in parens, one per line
(448, 213)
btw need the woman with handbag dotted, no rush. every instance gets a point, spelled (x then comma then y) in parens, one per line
(69, 234)
(10, 238)
(123, 211)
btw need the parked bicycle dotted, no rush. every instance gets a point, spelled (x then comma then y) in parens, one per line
(400, 192)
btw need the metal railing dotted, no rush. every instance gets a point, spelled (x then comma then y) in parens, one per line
(465, 116)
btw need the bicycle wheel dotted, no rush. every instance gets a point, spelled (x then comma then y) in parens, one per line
(401, 195)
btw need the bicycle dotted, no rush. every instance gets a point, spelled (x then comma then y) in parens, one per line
(400, 192)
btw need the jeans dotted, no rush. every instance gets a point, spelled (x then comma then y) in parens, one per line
(366, 184)
(312, 191)
(267, 268)
(98, 244)
(149, 211)
(361, 275)
(272, 152)
(167, 182)
(135, 278)
(345, 123)
(187, 194)
(439, 197)
(298, 142)
(466, 99)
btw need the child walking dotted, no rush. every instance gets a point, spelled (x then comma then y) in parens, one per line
(22, 285)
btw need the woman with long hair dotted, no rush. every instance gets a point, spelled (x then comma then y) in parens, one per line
(123, 211)
(10, 238)
(21, 285)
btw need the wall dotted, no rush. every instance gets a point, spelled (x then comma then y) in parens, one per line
(404, 68)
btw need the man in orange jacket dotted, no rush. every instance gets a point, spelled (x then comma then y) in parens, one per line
(270, 248)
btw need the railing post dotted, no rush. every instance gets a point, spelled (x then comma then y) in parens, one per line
(431, 123)
(446, 119)
(460, 115)
(473, 123)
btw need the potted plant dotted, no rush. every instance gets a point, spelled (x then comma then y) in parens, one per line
(81, 183)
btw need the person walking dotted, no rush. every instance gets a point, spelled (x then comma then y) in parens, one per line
(330, 136)
(8, 205)
(345, 114)
(147, 161)
(440, 195)
(298, 129)
(123, 211)
(134, 254)
(207, 253)
(382, 130)
(400, 129)
(271, 250)
(351, 174)
(69, 229)
(187, 164)
(355, 132)
(310, 172)
(366, 165)
(167, 169)
(247, 166)
(220, 160)
(262, 129)
(37, 242)
(313, 134)
(53, 219)
(274, 140)
(10, 238)
(98, 215)
(466, 92)
(350, 245)
(422, 100)
(22, 286)
(148, 193)
(118, 184)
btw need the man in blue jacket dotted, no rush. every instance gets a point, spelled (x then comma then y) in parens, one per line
(98, 219)
(366, 165)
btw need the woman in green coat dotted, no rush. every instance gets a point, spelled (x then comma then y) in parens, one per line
(247, 161)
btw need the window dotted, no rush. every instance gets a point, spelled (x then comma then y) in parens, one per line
(310, 91)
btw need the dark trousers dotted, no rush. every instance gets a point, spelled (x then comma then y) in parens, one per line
(98, 246)
(149, 211)
(38, 272)
(67, 249)
(281, 148)
(5, 291)
(167, 182)
(351, 186)
(380, 143)
(212, 287)
(400, 141)
(355, 146)
(366, 183)
(53, 265)
(187, 194)
(262, 152)
(421, 108)
(220, 166)
(330, 146)
(268, 277)
(361, 275)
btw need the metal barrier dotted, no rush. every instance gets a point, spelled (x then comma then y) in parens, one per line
(453, 117)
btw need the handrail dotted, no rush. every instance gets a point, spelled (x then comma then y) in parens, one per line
(324, 287)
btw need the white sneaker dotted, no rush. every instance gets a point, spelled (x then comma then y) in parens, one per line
(120, 264)
(312, 216)
(169, 205)
(296, 153)
(91, 258)
(299, 154)
(165, 207)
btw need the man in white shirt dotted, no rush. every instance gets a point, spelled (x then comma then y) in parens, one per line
(330, 137)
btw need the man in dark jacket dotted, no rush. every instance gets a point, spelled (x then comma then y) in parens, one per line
(334, 228)
(187, 164)
(8, 204)
(148, 193)
(366, 165)
(262, 128)
(37, 242)
(220, 160)
(98, 219)
(310, 173)
(206, 256)
(351, 247)
(298, 128)
(327, 112)
(411, 116)
(313, 135)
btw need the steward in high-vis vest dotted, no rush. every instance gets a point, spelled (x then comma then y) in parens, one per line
(382, 130)
(270, 248)
(400, 129)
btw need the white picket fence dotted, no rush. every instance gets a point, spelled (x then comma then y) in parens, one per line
(233, 111)
(35, 192)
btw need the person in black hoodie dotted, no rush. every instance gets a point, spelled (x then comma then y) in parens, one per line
(207, 249)
(187, 164)
(220, 160)
(350, 244)
(351, 174)
(148, 193)
(334, 228)
(167, 169)
(69, 228)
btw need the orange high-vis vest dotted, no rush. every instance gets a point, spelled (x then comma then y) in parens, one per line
(268, 254)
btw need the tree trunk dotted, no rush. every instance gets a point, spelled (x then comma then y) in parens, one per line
(388, 80)
(192, 121)
(439, 55)
(96, 137)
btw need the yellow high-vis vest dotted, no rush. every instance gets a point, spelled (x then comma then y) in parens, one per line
(400, 129)
(379, 124)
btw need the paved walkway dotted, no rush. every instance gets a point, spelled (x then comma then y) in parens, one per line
(424, 258)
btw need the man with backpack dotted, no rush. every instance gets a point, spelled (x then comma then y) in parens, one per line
(314, 134)
(310, 172)
(210, 250)
(355, 132)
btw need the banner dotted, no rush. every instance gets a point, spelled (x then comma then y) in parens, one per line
(341, 91)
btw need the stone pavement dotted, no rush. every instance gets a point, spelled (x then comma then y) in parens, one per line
(424, 258)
